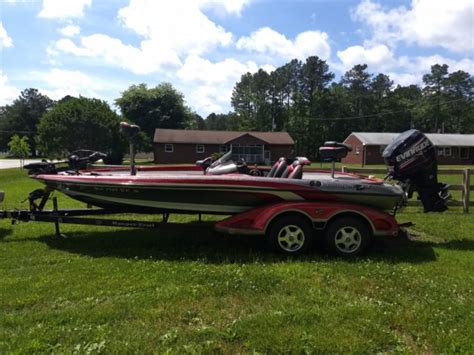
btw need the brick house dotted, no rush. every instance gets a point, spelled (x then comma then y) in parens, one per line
(187, 146)
(367, 148)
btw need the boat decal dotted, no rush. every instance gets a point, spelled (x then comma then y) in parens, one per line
(186, 182)
(162, 205)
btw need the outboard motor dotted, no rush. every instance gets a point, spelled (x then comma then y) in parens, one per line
(411, 159)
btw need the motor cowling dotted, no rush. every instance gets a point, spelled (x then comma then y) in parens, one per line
(411, 159)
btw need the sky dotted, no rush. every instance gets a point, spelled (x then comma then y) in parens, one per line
(98, 48)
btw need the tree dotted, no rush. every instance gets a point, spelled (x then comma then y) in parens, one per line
(196, 122)
(150, 108)
(22, 116)
(80, 123)
(357, 80)
(314, 79)
(402, 105)
(223, 122)
(380, 89)
(434, 93)
(19, 148)
(460, 92)
(315, 76)
(242, 101)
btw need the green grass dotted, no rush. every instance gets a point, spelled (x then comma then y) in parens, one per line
(130, 290)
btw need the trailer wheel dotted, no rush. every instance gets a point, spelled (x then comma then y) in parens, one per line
(347, 236)
(291, 235)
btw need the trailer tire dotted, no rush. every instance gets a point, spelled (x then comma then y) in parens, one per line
(290, 235)
(347, 236)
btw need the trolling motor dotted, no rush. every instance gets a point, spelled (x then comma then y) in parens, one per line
(411, 159)
(76, 161)
(79, 159)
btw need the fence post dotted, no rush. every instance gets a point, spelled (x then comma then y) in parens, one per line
(466, 182)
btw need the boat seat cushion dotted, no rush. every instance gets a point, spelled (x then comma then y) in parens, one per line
(289, 169)
(278, 168)
(272, 171)
(297, 172)
(293, 171)
(281, 169)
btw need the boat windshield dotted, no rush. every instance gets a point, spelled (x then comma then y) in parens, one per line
(226, 157)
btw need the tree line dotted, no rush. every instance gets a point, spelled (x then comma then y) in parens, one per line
(56, 128)
(301, 97)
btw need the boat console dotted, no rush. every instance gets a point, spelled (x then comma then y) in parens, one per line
(283, 167)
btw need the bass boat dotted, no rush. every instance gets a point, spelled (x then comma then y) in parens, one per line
(227, 187)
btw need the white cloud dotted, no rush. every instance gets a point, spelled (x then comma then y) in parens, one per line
(378, 57)
(403, 70)
(202, 70)
(233, 7)
(57, 83)
(63, 9)
(208, 86)
(70, 30)
(428, 23)
(144, 60)
(5, 40)
(157, 21)
(268, 41)
(165, 40)
(8, 93)
(422, 64)
(405, 79)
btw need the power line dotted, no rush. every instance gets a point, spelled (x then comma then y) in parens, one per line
(382, 113)
(15, 131)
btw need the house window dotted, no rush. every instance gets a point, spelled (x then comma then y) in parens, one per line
(222, 148)
(464, 153)
(444, 151)
(200, 148)
(169, 148)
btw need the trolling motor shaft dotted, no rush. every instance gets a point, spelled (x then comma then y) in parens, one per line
(130, 132)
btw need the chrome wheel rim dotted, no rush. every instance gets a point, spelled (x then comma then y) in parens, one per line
(348, 239)
(291, 238)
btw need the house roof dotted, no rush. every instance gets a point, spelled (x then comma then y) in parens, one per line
(438, 139)
(217, 137)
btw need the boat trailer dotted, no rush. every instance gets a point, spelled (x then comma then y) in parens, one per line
(289, 227)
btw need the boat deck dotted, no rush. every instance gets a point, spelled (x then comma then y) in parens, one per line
(154, 173)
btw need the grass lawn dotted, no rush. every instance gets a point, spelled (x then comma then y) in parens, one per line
(131, 290)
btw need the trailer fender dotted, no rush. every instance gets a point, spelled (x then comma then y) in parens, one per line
(256, 221)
